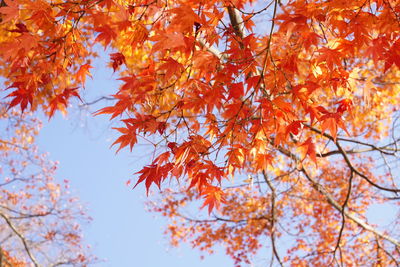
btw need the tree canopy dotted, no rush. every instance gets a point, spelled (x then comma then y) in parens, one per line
(281, 116)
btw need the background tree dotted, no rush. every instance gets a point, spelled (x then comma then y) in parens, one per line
(297, 99)
(39, 218)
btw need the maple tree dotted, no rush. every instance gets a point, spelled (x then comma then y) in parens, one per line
(39, 218)
(294, 101)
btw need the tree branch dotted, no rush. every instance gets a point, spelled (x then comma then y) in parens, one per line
(336, 205)
(350, 165)
(236, 21)
(342, 212)
(23, 240)
(273, 218)
(211, 49)
(352, 217)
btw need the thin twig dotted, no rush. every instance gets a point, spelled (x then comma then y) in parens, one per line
(273, 218)
(22, 238)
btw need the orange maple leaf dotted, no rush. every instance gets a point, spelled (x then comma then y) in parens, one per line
(331, 121)
(83, 71)
(153, 173)
(60, 101)
(213, 196)
(171, 67)
(10, 10)
(308, 148)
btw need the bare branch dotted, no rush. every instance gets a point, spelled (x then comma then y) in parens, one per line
(22, 238)
(350, 165)
(349, 215)
(336, 205)
(236, 21)
(211, 49)
(342, 212)
(97, 100)
(273, 218)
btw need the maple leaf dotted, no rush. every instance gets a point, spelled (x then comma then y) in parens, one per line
(331, 121)
(138, 34)
(378, 48)
(236, 156)
(171, 67)
(253, 82)
(393, 56)
(128, 137)
(181, 155)
(153, 174)
(21, 96)
(344, 105)
(117, 60)
(164, 157)
(330, 56)
(60, 101)
(291, 22)
(185, 18)
(283, 105)
(213, 196)
(168, 41)
(309, 150)
(294, 127)
(304, 91)
(309, 39)
(10, 10)
(172, 146)
(83, 71)
(106, 34)
(262, 161)
(21, 28)
(236, 90)
(124, 102)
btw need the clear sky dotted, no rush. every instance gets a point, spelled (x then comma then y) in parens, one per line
(122, 232)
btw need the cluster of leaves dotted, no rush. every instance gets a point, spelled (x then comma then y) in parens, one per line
(218, 95)
(39, 218)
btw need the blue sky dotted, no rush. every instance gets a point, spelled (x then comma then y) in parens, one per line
(122, 233)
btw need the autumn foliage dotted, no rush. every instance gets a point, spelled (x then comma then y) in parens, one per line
(281, 117)
(39, 218)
